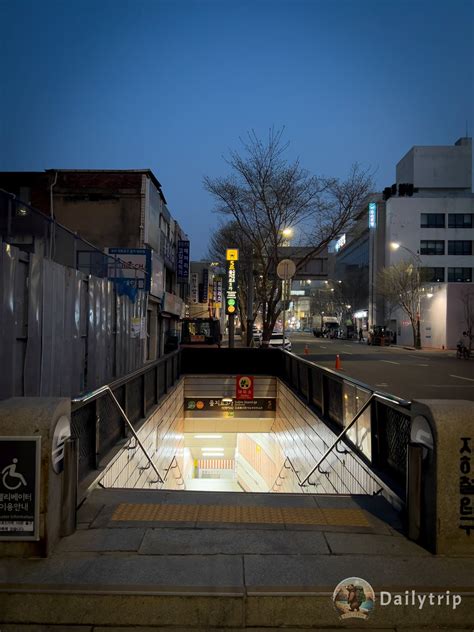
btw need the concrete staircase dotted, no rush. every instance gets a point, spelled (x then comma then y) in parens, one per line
(170, 560)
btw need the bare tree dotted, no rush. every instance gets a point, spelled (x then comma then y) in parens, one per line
(266, 194)
(400, 286)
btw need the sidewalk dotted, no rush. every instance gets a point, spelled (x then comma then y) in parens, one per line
(204, 561)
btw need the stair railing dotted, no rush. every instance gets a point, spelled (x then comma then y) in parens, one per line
(285, 467)
(107, 389)
(173, 467)
(341, 436)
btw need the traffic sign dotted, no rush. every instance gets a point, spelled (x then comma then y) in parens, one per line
(286, 269)
(232, 254)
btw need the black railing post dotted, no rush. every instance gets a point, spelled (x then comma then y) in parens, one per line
(97, 431)
(126, 407)
(143, 390)
(310, 384)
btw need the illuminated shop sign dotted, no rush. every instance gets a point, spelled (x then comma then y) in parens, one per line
(231, 294)
(372, 215)
(340, 243)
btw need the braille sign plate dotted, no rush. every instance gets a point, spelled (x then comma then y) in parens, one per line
(20, 459)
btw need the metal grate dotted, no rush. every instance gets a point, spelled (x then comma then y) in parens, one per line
(396, 436)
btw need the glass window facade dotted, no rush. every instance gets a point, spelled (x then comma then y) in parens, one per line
(432, 220)
(460, 220)
(460, 275)
(460, 247)
(432, 275)
(432, 247)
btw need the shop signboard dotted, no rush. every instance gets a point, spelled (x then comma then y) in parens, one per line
(132, 265)
(157, 285)
(218, 292)
(182, 261)
(206, 404)
(20, 461)
(194, 289)
(205, 286)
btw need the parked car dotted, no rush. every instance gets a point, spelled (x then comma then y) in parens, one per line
(379, 335)
(257, 336)
(277, 341)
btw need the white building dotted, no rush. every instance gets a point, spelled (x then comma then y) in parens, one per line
(429, 213)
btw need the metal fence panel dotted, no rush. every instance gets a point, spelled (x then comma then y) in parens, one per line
(53, 329)
(32, 370)
(9, 262)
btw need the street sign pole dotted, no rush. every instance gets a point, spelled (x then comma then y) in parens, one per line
(231, 331)
(286, 271)
(232, 257)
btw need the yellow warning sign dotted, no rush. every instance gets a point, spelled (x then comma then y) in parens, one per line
(232, 254)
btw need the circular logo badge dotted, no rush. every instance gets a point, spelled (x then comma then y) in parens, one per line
(245, 382)
(354, 598)
(199, 405)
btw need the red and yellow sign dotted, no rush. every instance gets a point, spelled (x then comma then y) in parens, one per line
(244, 387)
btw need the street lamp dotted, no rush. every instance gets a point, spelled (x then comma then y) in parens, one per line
(395, 246)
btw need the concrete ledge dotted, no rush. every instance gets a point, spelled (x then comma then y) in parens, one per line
(194, 612)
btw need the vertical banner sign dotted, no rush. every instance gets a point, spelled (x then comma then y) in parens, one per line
(20, 460)
(231, 295)
(244, 387)
(194, 290)
(372, 215)
(182, 261)
(218, 292)
(205, 286)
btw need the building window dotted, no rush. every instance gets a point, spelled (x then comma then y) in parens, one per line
(431, 247)
(459, 275)
(460, 247)
(460, 220)
(432, 275)
(432, 220)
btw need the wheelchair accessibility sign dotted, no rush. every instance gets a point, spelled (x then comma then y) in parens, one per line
(20, 459)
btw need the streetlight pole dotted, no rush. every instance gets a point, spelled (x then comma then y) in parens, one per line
(416, 257)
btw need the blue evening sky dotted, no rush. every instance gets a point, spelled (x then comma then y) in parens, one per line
(172, 85)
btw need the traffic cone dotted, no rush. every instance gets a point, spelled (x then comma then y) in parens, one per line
(338, 362)
(306, 350)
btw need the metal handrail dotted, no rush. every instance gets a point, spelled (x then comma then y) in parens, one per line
(172, 467)
(283, 467)
(346, 430)
(107, 389)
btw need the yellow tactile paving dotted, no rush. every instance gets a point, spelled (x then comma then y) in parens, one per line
(303, 515)
(241, 514)
(346, 517)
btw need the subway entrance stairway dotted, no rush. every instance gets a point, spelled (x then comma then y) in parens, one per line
(365, 492)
